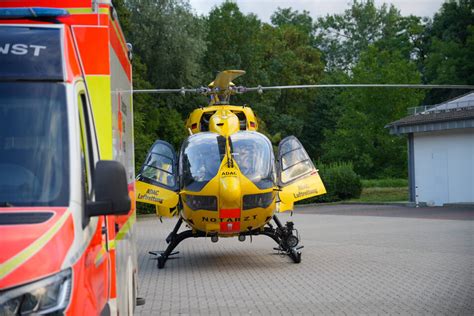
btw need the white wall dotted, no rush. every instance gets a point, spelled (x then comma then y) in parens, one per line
(444, 166)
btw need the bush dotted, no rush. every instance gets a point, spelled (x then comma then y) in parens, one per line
(143, 208)
(341, 182)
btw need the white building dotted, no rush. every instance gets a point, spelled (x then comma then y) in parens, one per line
(440, 152)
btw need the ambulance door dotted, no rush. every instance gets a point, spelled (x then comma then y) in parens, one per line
(97, 270)
(298, 179)
(157, 181)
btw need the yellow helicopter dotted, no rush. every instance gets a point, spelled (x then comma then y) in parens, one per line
(226, 182)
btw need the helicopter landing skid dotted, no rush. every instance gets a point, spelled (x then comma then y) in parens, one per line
(174, 240)
(285, 236)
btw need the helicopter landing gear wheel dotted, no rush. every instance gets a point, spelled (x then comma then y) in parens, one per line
(286, 237)
(295, 255)
(161, 262)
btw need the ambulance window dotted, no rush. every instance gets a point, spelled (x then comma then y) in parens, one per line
(86, 144)
(34, 144)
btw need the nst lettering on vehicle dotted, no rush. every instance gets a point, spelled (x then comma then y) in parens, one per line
(67, 195)
(32, 53)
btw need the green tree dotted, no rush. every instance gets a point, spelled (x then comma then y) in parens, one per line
(287, 16)
(342, 37)
(169, 39)
(322, 114)
(279, 54)
(449, 43)
(360, 135)
(164, 56)
(232, 42)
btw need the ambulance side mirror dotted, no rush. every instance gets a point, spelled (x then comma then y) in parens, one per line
(111, 190)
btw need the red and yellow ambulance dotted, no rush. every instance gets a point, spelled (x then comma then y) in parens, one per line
(67, 204)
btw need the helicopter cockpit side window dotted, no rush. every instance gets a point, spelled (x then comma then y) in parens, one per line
(159, 167)
(200, 160)
(295, 162)
(254, 155)
(205, 121)
(242, 120)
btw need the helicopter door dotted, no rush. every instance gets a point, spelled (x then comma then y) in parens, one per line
(298, 179)
(156, 182)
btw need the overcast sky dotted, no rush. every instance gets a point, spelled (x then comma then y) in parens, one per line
(264, 8)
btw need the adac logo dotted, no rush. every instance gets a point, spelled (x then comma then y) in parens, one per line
(150, 195)
(229, 174)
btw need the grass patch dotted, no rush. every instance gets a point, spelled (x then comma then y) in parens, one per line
(385, 183)
(383, 190)
(383, 195)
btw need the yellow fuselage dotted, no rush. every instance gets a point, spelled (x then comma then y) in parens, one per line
(229, 185)
(231, 199)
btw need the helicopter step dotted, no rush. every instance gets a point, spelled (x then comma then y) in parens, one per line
(286, 236)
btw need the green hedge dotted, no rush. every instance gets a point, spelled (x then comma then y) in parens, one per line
(143, 208)
(341, 182)
(385, 183)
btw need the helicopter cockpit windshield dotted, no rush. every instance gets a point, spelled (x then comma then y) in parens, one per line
(200, 159)
(202, 154)
(253, 153)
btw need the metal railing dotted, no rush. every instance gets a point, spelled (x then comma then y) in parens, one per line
(445, 107)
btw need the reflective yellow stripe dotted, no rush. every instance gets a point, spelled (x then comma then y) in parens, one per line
(99, 92)
(87, 11)
(32, 249)
(100, 255)
(126, 227)
(120, 235)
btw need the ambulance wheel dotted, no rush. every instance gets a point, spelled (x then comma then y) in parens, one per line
(161, 262)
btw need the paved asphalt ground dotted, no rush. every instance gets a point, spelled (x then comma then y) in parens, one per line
(357, 259)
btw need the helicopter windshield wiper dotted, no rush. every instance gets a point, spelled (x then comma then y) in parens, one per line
(6, 204)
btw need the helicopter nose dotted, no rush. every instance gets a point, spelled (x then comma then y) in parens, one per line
(230, 192)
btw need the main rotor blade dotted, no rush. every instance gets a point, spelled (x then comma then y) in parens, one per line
(182, 90)
(363, 85)
(204, 90)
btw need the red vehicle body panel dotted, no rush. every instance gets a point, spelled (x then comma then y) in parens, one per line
(94, 271)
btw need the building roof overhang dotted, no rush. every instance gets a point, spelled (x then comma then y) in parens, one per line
(450, 115)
